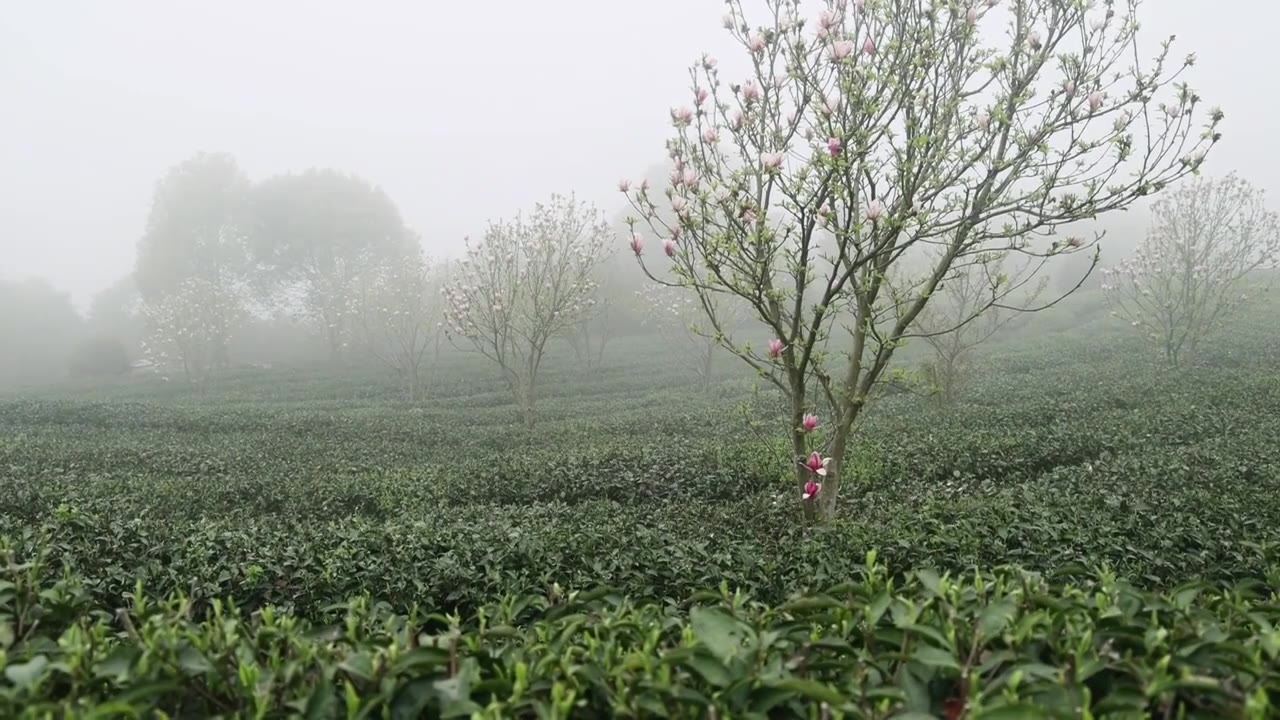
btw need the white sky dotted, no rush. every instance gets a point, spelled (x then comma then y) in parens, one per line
(463, 110)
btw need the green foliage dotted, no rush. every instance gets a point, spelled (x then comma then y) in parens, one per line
(1004, 644)
(1079, 530)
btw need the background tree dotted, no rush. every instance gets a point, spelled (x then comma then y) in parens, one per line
(891, 125)
(398, 318)
(592, 333)
(680, 320)
(529, 280)
(116, 313)
(99, 356)
(196, 235)
(316, 234)
(968, 307)
(190, 326)
(38, 329)
(1199, 264)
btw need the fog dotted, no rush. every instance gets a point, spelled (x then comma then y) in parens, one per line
(460, 112)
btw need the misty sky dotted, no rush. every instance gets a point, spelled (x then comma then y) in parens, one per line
(462, 110)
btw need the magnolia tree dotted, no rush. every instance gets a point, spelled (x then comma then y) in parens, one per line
(891, 125)
(190, 326)
(1196, 267)
(971, 305)
(397, 313)
(680, 320)
(592, 333)
(527, 281)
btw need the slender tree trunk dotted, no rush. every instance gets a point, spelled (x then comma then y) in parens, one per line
(706, 366)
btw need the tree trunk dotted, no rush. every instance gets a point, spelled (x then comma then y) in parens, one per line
(706, 366)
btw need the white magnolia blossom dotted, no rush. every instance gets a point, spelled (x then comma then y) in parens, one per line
(539, 283)
(1209, 243)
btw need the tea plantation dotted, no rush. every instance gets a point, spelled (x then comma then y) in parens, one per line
(1084, 535)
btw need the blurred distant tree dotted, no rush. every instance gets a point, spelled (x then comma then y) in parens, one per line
(680, 320)
(189, 327)
(99, 356)
(1203, 259)
(316, 234)
(116, 312)
(892, 125)
(969, 306)
(592, 333)
(399, 310)
(38, 329)
(529, 280)
(196, 233)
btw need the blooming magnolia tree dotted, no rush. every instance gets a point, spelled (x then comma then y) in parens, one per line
(592, 333)
(1198, 264)
(529, 280)
(971, 305)
(190, 326)
(680, 320)
(889, 125)
(398, 313)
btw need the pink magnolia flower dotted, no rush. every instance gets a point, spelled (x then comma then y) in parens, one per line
(700, 96)
(624, 185)
(637, 244)
(771, 161)
(869, 47)
(833, 146)
(682, 116)
(737, 119)
(669, 247)
(1075, 242)
(827, 20)
(775, 348)
(1033, 40)
(709, 62)
(727, 20)
(755, 42)
(971, 16)
(817, 464)
(710, 135)
(1095, 101)
(690, 177)
(809, 422)
(831, 103)
(750, 91)
(983, 119)
(811, 490)
(1098, 22)
(644, 185)
(679, 204)
(1069, 88)
(860, 4)
(841, 49)
(875, 209)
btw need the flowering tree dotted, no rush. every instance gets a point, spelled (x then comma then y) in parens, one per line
(680, 320)
(592, 333)
(888, 125)
(527, 281)
(971, 305)
(398, 312)
(1195, 268)
(190, 326)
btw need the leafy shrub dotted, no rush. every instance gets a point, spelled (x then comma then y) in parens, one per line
(999, 645)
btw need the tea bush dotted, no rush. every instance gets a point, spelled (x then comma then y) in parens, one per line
(1083, 533)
